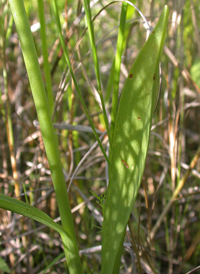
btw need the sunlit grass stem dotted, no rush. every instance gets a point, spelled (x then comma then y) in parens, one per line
(46, 125)
(95, 60)
(7, 117)
(117, 66)
(45, 55)
(66, 55)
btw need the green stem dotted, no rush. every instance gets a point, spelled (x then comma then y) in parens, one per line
(46, 125)
(95, 60)
(66, 55)
(45, 55)
(117, 66)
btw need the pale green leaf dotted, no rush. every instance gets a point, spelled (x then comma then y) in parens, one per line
(130, 144)
(4, 267)
(195, 71)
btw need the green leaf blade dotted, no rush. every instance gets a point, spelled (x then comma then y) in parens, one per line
(4, 267)
(130, 144)
(70, 248)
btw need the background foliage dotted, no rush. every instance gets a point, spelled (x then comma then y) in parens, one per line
(29, 247)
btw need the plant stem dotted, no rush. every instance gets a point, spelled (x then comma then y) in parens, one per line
(66, 55)
(45, 55)
(46, 125)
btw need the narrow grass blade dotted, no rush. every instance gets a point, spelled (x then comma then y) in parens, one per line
(66, 55)
(118, 57)
(52, 263)
(27, 210)
(45, 55)
(95, 59)
(130, 144)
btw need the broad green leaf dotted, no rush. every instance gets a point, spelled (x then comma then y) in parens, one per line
(4, 267)
(130, 144)
(27, 210)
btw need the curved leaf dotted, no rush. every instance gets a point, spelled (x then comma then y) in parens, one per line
(34, 213)
(130, 144)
